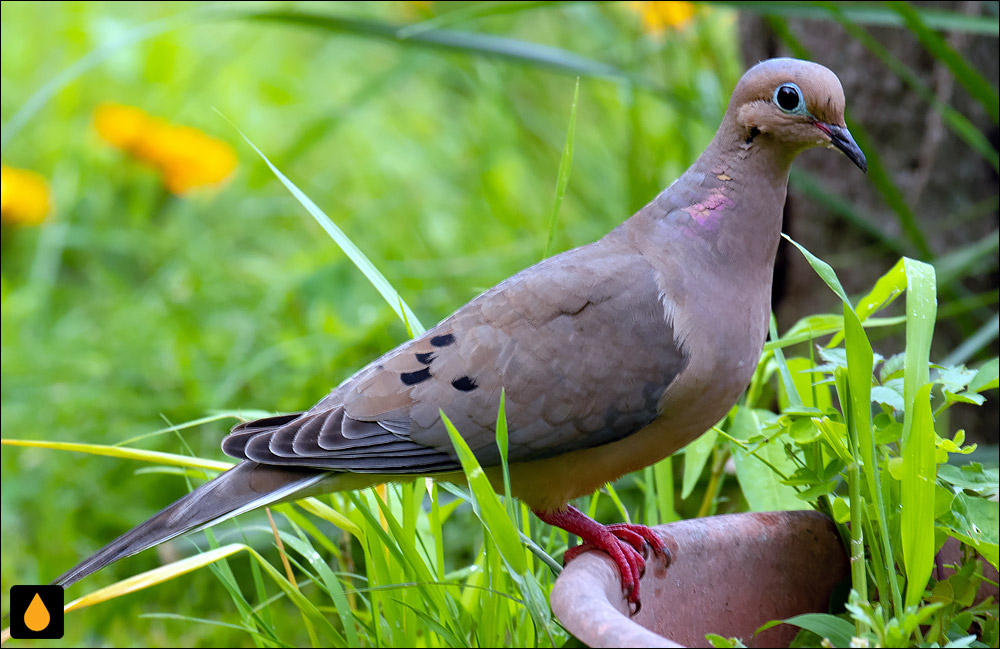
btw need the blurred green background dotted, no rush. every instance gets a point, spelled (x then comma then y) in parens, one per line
(130, 308)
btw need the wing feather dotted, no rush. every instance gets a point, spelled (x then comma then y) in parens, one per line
(582, 358)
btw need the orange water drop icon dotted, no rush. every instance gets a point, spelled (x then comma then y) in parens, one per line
(37, 616)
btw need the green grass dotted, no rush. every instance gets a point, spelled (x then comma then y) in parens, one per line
(445, 160)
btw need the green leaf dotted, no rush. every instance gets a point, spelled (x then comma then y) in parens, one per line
(987, 378)
(169, 459)
(977, 85)
(972, 476)
(500, 527)
(762, 468)
(696, 455)
(154, 576)
(921, 312)
(976, 522)
(885, 291)
(565, 164)
(837, 630)
(823, 269)
(330, 582)
(919, 470)
(446, 39)
(371, 273)
(874, 14)
(787, 385)
(721, 642)
(916, 491)
(808, 383)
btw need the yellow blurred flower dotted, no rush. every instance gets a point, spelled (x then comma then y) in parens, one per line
(24, 196)
(418, 8)
(185, 157)
(659, 16)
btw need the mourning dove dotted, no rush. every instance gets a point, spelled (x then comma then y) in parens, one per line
(612, 355)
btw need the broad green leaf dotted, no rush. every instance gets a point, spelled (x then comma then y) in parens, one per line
(860, 360)
(972, 476)
(988, 376)
(696, 454)
(917, 484)
(837, 630)
(885, 291)
(806, 380)
(756, 471)
(917, 497)
(975, 521)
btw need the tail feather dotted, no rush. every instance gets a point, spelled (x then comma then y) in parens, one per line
(246, 486)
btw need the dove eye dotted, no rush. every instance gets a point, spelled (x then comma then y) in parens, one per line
(788, 97)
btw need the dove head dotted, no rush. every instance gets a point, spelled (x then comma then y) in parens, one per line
(794, 105)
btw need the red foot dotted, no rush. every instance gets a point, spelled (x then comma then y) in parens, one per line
(625, 543)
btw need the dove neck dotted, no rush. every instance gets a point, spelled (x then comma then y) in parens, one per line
(751, 161)
(722, 217)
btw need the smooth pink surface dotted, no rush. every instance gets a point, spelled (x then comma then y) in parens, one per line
(728, 575)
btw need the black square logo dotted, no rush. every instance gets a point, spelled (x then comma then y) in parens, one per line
(36, 612)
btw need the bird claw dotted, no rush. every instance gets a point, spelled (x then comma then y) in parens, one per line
(629, 546)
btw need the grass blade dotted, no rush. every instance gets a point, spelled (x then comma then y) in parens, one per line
(472, 43)
(154, 576)
(875, 14)
(957, 122)
(975, 83)
(565, 164)
(169, 459)
(501, 529)
(354, 253)
(471, 12)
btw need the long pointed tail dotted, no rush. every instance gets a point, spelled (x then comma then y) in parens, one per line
(244, 487)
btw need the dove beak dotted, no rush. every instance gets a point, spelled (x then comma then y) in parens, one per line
(842, 139)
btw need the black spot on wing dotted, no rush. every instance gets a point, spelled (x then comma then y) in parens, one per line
(465, 384)
(443, 340)
(412, 378)
(426, 358)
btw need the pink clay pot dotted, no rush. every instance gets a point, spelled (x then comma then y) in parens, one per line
(727, 575)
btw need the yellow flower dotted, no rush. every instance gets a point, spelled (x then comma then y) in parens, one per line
(658, 16)
(24, 196)
(420, 8)
(185, 157)
(121, 126)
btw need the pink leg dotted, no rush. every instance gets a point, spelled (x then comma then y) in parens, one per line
(624, 542)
